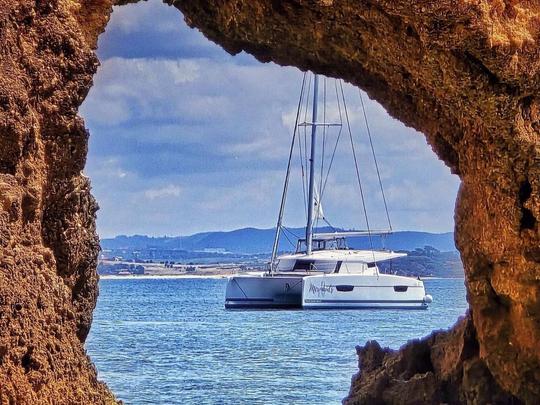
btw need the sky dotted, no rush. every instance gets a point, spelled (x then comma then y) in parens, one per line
(186, 138)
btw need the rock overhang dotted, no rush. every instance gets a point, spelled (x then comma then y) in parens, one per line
(464, 74)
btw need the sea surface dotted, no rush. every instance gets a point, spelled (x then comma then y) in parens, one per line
(170, 341)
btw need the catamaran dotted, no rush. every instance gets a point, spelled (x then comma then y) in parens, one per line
(324, 272)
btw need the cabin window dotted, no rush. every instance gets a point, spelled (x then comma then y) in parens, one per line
(400, 288)
(345, 288)
(371, 265)
(304, 265)
(338, 266)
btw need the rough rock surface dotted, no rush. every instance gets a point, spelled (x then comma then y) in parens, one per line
(442, 368)
(465, 73)
(48, 244)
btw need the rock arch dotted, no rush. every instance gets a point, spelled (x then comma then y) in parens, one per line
(465, 74)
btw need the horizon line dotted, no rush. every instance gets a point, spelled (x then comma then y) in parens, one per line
(248, 227)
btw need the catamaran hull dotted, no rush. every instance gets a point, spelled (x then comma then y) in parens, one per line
(331, 291)
(263, 292)
(359, 291)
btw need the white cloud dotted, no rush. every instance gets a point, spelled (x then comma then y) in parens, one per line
(132, 18)
(263, 146)
(163, 192)
(109, 168)
(190, 142)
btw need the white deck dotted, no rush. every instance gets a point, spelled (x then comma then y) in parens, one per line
(343, 261)
(350, 255)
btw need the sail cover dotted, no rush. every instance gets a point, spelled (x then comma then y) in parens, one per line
(319, 214)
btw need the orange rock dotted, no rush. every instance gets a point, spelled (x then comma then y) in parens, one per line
(466, 74)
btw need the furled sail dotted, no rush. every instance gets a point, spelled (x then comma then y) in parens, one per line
(319, 213)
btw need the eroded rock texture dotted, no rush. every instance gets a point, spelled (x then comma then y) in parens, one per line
(442, 368)
(48, 244)
(465, 73)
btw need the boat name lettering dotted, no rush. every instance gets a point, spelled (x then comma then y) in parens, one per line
(321, 290)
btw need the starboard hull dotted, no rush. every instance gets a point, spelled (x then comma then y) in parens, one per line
(358, 291)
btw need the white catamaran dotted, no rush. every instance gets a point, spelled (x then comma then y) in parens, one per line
(324, 272)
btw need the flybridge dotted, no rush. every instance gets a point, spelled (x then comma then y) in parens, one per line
(336, 240)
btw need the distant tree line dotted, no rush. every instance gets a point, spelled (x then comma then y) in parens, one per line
(111, 269)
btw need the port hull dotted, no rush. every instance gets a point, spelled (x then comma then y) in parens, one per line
(261, 292)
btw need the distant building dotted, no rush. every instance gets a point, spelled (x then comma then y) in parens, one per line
(214, 250)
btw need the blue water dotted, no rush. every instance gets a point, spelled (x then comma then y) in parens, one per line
(170, 341)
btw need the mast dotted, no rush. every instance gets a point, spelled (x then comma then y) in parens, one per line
(311, 195)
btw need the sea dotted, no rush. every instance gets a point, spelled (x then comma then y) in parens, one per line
(171, 341)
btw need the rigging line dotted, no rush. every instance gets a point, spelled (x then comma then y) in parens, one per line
(291, 232)
(306, 163)
(303, 174)
(319, 203)
(307, 98)
(375, 158)
(287, 176)
(337, 139)
(288, 240)
(329, 224)
(324, 140)
(305, 157)
(357, 171)
(300, 154)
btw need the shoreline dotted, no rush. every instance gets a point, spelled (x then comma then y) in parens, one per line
(164, 276)
(214, 276)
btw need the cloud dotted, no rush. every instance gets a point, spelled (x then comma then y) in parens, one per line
(154, 29)
(163, 192)
(186, 138)
(128, 89)
(110, 168)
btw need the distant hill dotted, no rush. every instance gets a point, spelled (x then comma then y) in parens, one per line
(252, 241)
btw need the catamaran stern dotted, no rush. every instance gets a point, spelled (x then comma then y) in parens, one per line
(263, 291)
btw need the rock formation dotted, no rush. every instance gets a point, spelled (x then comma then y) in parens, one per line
(48, 243)
(464, 73)
(442, 368)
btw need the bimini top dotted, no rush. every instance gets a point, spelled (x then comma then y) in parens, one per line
(348, 255)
